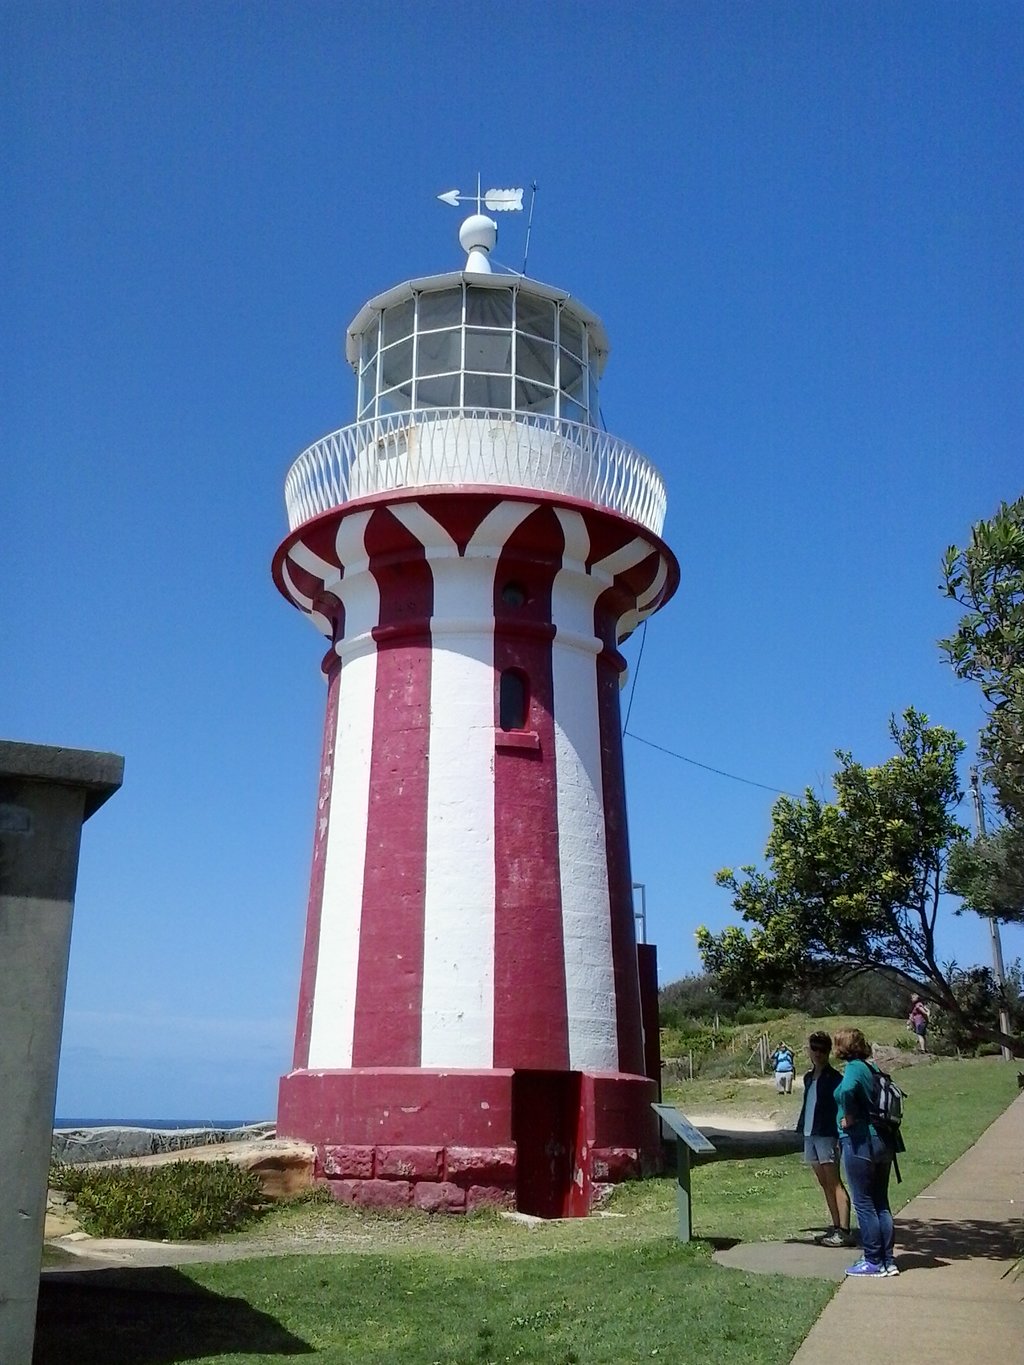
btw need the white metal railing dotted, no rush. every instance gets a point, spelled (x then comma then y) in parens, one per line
(445, 448)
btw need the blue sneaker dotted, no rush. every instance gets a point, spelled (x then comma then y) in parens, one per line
(863, 1267)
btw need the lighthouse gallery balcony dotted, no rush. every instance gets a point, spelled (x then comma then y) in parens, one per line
(493, 448)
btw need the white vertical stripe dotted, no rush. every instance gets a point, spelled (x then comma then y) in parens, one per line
(629, 620)
(458, 940)
(582, 848)
(582, 855)
(334, 998)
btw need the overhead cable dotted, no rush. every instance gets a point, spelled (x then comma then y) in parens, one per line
(720, 772)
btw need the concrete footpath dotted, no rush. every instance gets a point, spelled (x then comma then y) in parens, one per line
(958, 1297)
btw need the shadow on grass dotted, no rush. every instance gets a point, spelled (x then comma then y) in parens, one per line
(117, 1316)
(736, 1144)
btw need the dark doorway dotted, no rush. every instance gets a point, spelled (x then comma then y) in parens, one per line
(545, 1123)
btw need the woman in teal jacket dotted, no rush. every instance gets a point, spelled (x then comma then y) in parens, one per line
(867, 1155)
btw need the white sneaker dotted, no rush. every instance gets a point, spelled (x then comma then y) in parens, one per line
(891, 1269)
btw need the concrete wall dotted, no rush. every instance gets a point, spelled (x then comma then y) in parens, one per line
(45, 795)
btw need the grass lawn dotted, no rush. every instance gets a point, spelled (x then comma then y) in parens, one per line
(456, 1291)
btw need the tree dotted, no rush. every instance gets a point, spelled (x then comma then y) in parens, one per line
(988, 874)
(986, 577)
(854, 885)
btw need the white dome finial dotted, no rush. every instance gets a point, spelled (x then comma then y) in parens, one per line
(477, 236)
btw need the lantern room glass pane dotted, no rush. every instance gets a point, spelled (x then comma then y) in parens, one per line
(439, 352)
(396, 400)
(488, 307)
(488, 391)
(398, 322)
(571, 375)
(570, 409)
(593, 398)
(534, 397)
(535, 359)
(396, 364)
(536, 316)
(368, 342)
(443, 309)
(441, 391)
(489, 351)
(369, 378)
(571, 333)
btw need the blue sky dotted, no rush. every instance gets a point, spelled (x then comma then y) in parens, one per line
(800, 223)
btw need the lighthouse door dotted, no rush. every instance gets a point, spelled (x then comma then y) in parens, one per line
(545, 1122)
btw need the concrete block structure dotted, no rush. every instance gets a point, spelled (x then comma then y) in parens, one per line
(45, 795)
(475, 549)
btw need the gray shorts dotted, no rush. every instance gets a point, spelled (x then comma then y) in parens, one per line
(821, 1151)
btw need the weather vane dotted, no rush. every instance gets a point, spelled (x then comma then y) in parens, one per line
(497, 201)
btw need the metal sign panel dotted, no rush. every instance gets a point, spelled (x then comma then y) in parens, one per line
(683, 1128)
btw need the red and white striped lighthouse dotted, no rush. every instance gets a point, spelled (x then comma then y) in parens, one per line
(474, 549)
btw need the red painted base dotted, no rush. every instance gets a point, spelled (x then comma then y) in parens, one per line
(447, 1141)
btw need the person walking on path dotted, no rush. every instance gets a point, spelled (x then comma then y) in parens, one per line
(784, 1066)
(868, 1154)
(918, 1020)
(819, 1123)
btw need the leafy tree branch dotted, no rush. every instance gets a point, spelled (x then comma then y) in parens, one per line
(853, 885)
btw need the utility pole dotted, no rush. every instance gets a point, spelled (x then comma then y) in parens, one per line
(993, 924)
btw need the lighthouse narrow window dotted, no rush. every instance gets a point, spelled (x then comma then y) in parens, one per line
(513, 700)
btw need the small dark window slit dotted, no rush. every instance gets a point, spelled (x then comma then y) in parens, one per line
(513, 700)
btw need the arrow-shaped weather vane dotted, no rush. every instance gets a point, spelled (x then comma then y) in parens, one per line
(498, 201)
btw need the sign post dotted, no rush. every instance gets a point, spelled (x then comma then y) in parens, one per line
(688, 1139)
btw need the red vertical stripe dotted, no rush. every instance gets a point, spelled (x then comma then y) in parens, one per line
(530, 1013)
(389, 987)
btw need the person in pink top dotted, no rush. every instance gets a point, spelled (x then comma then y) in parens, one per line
(917, 1021)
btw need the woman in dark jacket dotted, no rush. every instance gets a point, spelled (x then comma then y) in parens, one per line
(818, 1123)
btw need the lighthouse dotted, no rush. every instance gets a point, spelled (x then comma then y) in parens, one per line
(474, 547)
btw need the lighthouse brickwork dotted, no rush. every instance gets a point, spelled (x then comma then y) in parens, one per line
(475, 549)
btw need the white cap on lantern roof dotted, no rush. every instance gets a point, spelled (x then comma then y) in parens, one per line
(477, 236)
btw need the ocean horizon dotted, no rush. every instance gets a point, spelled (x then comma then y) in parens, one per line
(164, 1124)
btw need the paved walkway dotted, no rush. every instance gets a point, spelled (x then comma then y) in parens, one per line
(958, 1299)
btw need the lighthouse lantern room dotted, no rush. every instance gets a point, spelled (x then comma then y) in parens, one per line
(475, 549)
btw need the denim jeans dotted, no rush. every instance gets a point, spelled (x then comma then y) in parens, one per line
(867, 1161)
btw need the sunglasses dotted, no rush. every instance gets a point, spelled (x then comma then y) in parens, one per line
(812, 1048)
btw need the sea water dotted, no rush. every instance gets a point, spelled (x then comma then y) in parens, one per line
(162, 1125)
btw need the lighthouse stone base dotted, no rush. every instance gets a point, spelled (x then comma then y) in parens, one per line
(544, 1142)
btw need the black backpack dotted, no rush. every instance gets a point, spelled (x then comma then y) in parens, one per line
(885, 1111)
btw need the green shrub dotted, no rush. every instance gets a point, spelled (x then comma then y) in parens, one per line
(759, 1014)
(181, 1201)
